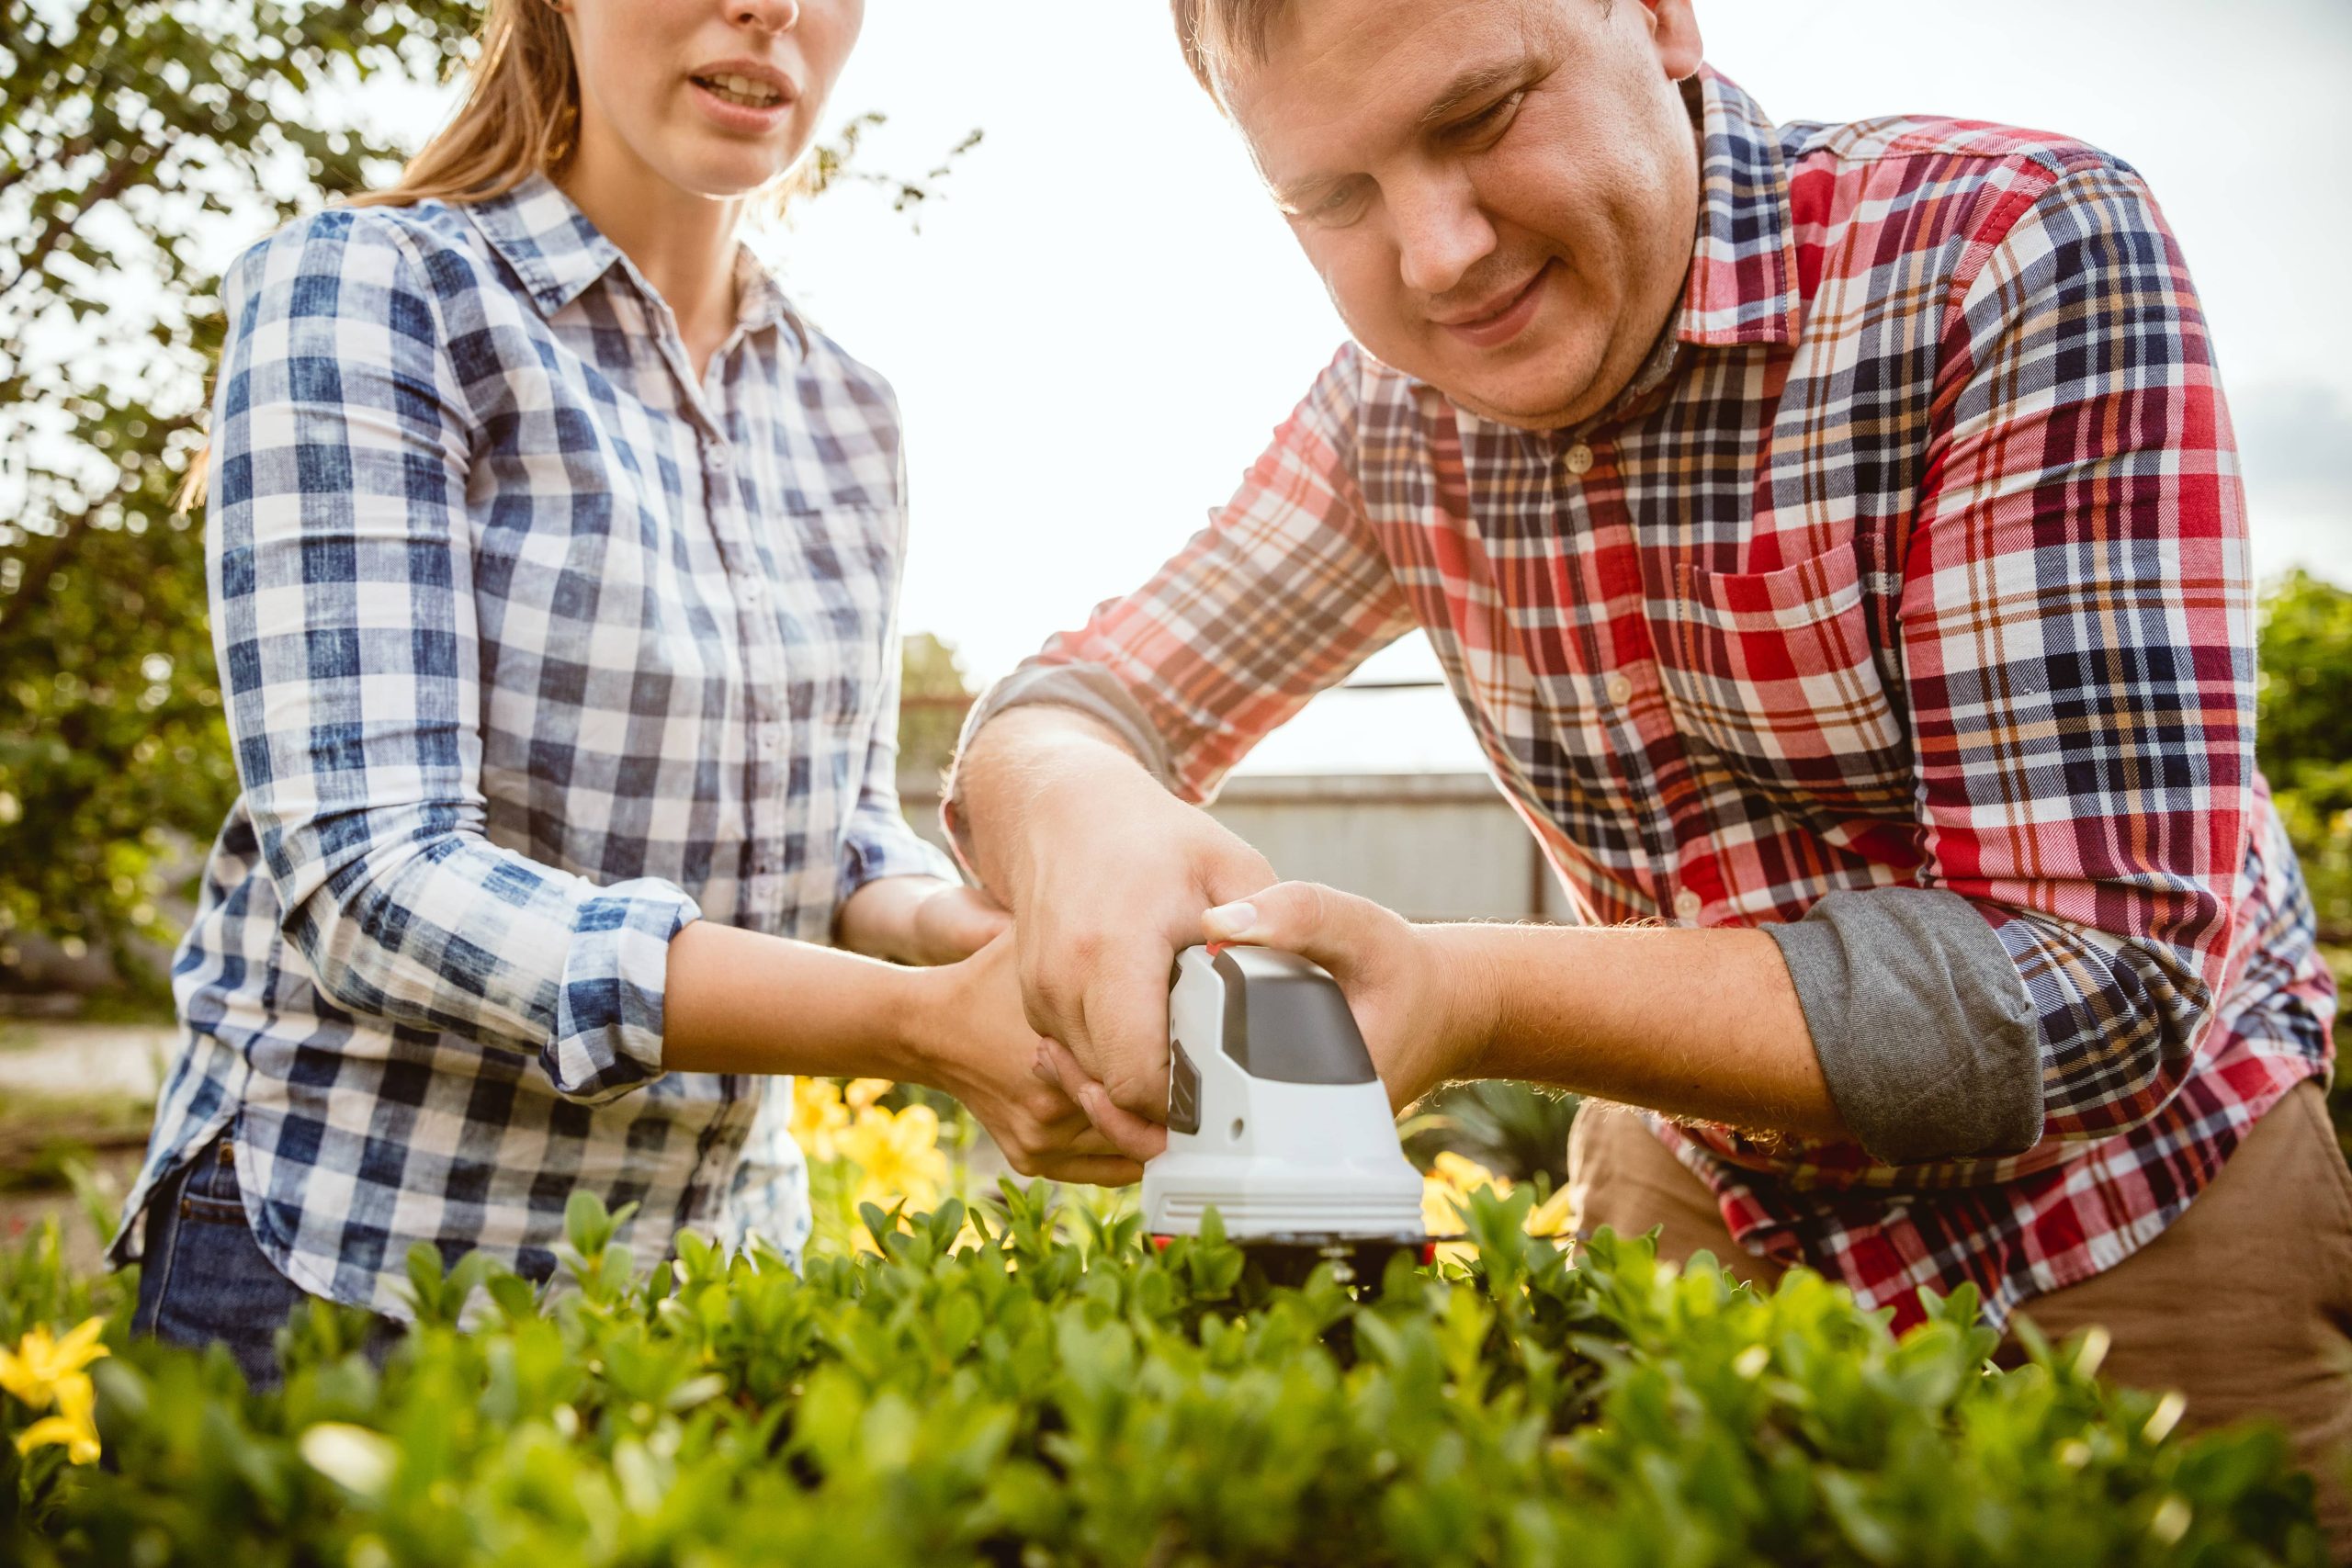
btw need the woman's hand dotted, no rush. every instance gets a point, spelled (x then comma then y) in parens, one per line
(971, 1038)
(1420, 1001)
(919, 919)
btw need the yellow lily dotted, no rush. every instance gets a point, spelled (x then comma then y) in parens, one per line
(74, 1425)
(33, 1370)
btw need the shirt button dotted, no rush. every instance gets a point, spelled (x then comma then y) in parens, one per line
(767, 743)
(1620, 690)
(751, 592)
(720, 457)
(1580, 460)
(1686, 904)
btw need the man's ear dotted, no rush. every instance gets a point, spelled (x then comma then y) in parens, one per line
(1674, 33)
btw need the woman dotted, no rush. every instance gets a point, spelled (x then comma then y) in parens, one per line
(553, 567)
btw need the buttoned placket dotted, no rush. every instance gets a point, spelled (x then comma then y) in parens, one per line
(1626, 675)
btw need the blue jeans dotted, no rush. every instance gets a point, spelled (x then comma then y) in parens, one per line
(206, 1280)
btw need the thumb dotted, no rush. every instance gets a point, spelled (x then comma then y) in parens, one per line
(1305, 918)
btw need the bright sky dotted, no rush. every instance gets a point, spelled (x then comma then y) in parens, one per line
(1093, 334)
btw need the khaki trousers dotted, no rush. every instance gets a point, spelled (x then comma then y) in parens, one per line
(2243, 1304)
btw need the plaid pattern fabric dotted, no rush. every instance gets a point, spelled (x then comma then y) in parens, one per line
(535, 649)
(1914, 556)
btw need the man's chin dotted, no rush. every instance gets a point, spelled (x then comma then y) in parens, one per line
(1525, 407)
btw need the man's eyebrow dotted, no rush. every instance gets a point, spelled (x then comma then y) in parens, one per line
(1478, 81)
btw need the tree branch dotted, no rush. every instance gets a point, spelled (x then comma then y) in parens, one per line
(113, 184)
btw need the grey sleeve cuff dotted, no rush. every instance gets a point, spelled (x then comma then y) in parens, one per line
(1092, 690)
(1922, 1023)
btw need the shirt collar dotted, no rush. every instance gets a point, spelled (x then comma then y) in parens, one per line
(558, 253)
(548, 240)
(1743, 286)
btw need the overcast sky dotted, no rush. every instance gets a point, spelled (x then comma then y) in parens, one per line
(1093, 334)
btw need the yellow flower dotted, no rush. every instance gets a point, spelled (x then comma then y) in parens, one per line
(1452, 1179)
(33, 1371)
(863, 1093)
(74, 1425)
(818, 1118)
(899, 1155)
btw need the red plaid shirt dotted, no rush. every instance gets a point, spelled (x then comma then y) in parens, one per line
(1916, 556)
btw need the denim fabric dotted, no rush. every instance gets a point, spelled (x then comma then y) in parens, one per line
(206, 1279)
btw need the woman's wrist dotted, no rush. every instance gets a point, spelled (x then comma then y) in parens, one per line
(738, 1001)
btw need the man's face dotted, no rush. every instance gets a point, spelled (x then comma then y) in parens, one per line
(1502, 196)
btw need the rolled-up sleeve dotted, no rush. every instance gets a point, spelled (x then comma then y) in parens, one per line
(344, 626)
(2077, 638)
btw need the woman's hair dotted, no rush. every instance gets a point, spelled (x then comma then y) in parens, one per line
(520, 115)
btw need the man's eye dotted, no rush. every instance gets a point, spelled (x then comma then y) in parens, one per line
(1491, 118)
(1338, 203)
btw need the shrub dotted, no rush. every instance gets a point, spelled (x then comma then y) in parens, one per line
(1056, 1391)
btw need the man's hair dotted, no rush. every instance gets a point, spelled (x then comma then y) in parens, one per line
(1212, 32)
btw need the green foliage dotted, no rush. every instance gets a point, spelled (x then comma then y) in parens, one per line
(1517, 1129)
(1062, 1394)
(932, 696)
(131, 133)
(2304, 727)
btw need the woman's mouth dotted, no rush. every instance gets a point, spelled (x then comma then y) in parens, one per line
(741, 90)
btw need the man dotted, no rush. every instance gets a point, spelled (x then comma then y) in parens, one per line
(1855, 603)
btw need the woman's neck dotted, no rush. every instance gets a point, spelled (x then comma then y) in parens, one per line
(683, 244)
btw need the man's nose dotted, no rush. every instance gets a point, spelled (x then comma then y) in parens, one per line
(1441, 231)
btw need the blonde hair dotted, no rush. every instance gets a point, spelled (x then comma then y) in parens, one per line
(520, 117)
(521, 114)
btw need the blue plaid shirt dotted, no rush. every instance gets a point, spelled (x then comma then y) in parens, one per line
(534, 648)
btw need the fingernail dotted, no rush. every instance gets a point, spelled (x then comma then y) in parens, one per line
(1230, 922)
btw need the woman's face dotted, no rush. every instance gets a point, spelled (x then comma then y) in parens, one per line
(716, 97)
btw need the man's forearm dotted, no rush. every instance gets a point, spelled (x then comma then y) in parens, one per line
(1704, 1024)
(1014, 771)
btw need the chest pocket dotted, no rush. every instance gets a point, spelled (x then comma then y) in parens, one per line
(1774, 673)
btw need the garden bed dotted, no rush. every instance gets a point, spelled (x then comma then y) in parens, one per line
(1027, 1382)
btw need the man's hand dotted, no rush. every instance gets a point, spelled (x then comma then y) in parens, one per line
(1107, 875)
(1425, 1014)
(971, 1039)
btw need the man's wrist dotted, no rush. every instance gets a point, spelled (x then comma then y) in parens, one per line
(1471, 1003)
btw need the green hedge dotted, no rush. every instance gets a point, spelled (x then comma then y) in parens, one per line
(1063, 1394)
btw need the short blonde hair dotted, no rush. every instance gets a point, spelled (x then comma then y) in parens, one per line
(1213, 33)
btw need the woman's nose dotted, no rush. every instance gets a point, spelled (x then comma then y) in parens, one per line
(776, 16)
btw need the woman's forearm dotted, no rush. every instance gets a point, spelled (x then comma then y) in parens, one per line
(738, 1001)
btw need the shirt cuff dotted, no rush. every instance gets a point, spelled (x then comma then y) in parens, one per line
(609, 1011)
(1094, 691)
(887, 847)
(1922, 1023)
(1091, 690)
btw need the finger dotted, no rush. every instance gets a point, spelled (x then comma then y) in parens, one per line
(1046, 1066)
(1130, 1134)
(1126, 1020)
(1133, 1136)
(1095, 1169)
(1322, 923)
